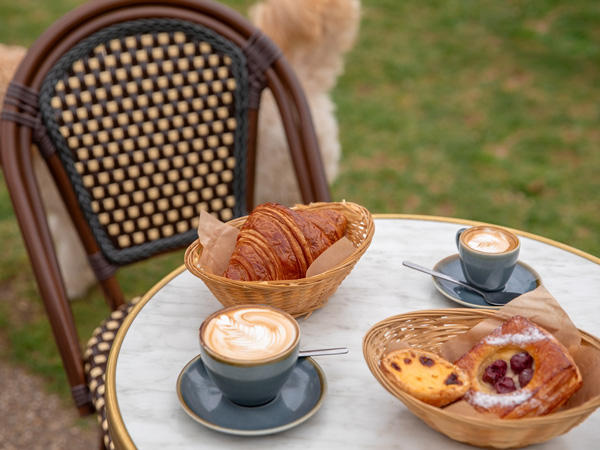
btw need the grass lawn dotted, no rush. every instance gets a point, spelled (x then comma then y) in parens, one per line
(479, 110)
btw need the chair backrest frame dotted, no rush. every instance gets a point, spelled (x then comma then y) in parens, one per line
(20, 129)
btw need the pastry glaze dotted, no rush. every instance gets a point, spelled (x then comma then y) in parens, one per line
(555, 378)
(278, 243)
(425, 376)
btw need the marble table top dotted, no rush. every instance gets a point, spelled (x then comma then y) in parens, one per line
(161, 337)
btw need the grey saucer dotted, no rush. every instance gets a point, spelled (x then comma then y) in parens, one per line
(523, 279)
(300, 398)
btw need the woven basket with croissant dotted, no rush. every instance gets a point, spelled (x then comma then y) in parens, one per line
(300, 296)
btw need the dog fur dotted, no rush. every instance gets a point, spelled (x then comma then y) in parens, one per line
(314, 36)
(10, 58)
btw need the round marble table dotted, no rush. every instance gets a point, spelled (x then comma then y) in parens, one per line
(161, 336)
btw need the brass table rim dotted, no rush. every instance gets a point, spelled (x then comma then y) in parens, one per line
(118, 429)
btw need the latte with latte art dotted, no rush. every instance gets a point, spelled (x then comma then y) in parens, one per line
(488, 255)
(250, 334)
(488, 240)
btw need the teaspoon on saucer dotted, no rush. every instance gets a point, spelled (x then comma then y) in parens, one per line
(322, 351)
(497, 298)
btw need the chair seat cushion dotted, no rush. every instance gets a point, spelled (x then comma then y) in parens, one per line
(96, 357)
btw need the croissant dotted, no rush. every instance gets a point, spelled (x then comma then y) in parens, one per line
(278, 243)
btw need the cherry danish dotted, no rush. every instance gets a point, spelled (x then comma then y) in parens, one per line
(519, 370)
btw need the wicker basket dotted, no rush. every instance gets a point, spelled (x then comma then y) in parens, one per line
(429, 330)
(297, 297)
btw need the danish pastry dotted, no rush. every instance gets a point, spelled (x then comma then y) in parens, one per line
(426, 376)
(519, 370)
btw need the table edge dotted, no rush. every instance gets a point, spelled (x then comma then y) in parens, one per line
(117, 427)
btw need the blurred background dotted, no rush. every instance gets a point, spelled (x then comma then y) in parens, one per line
(480, 110)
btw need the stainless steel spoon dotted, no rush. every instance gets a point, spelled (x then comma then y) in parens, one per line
(496, 298)
(323, 351)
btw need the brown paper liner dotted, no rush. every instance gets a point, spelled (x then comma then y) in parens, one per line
(218, 241)
(539, 306)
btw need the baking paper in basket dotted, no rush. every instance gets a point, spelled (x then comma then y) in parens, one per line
(538, 306)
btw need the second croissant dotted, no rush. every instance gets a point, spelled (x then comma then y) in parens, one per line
(278, 243)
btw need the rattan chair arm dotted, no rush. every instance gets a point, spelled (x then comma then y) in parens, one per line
(19, 177)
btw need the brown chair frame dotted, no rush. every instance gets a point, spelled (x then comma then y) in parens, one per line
(19, 130)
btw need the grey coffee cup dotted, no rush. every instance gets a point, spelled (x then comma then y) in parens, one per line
(250, 382)
(488, 255)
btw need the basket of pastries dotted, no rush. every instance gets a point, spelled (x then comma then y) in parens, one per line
(510, 384)
(293, 259)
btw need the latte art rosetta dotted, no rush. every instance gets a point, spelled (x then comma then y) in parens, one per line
(250, 334)
(488, 242)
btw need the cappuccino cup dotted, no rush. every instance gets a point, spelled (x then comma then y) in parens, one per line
(488, 255)
(249, 351)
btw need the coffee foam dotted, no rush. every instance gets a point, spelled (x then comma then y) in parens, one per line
(250, 334)
(489, 241)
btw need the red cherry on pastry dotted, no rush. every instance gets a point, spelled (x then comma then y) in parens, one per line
(495, 371)
(520, 362)
(505, 385)
(525, 377)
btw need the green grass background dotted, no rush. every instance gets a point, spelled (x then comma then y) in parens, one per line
(484, 110)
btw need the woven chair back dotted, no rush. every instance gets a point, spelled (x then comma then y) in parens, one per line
(149, 119)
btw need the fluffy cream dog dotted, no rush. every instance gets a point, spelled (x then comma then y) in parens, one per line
(314, 36)
(10, 57)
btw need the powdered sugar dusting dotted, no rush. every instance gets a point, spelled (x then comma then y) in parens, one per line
(488, 401)
(528, 335)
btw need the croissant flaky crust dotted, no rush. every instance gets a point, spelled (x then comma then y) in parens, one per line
(553, 378)
(278, 243)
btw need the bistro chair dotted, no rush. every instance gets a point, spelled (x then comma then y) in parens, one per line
(145, 114)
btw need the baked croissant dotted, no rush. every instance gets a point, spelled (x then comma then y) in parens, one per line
(278, 243)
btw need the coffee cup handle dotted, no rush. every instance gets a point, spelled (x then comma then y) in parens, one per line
(458, 233)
